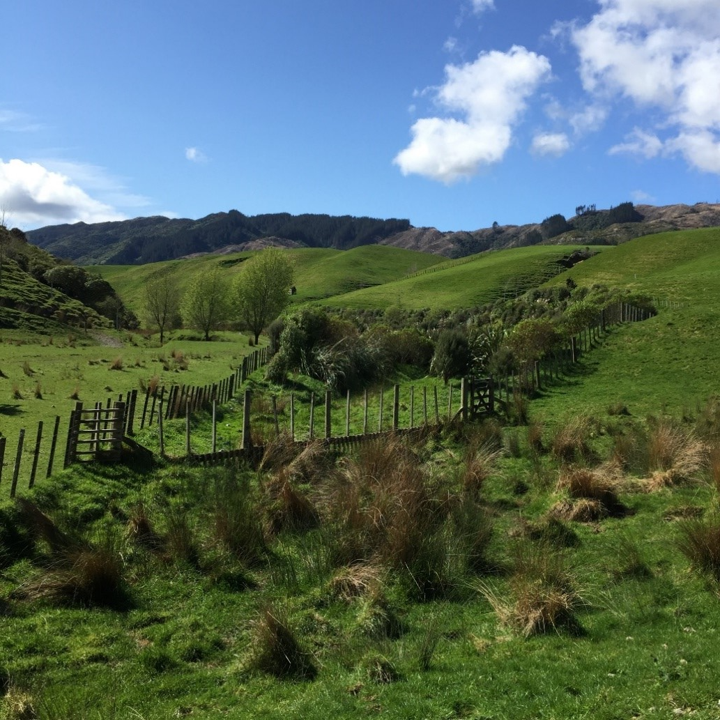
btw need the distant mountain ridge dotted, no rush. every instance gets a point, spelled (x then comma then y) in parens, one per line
(144, 240)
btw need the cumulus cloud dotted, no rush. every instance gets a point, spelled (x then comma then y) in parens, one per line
(490, 95)
(32, 195)
(639, 142)
(480, 6)
(195, 155)
(660, 54)
(550, 144)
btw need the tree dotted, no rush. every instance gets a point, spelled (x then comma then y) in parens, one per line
(207, 301)
(263, 288)
(452, 355)
(162, 302)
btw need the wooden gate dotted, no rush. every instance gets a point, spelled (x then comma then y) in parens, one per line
(481, 397)
(96, 433)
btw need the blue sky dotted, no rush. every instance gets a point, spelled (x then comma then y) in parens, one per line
(451, 113)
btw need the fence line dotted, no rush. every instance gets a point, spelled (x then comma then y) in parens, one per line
(24, 460)
(184, 400)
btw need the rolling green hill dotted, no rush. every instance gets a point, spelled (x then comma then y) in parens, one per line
(669, 361)
(319, 272)
(464, 283)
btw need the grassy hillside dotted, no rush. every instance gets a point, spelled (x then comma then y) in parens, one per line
(669, 361)
(463, 283)
(319, 272)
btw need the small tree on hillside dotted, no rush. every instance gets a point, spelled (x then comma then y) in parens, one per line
(263, 289)
(206, 305)
(162, 303)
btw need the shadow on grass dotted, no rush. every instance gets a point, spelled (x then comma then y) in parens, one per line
(10, 410)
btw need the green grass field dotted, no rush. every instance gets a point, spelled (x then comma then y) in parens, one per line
(668, 362)
(428, 637)
(319, 272)
(463, 283)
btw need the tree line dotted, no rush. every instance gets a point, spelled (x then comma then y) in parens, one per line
(257, 296)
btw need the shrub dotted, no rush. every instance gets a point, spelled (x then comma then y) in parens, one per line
(452, 355)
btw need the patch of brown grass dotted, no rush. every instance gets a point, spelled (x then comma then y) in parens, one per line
(38, 391)
(477, 467)
(597, 488)
(355, 581)
(116, 364)
(570, 442)
(16, 394)
(18, 705)
(289, 509)
(141, 532)
(275, 649)
(543, 594)
(675, 455)
(699, 541)
(27, 369)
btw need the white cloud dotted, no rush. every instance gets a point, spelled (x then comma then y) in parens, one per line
(640, 197)
(13, 121)
(32, 195)
(195, 155)
(661, 54)
(588, 120)
(550, 144)
(490, 95)
(480, 6)
(451, 45)
(639, 142)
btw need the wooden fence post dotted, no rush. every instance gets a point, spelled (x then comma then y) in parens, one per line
(437, 405)
(425, 404)
(311, 430)
(187, 429)
(450, 399)
(214, 425)
(246, 441)
(36, 454)
(347, 414)
(275, 415)
(145, 404)
(396, 407)
(365, 412)
(53, 445)
(412, 406)
(2, 455)
(292, 417)
(328, 414)
(18, 458)
(160, 423)
(380, 411)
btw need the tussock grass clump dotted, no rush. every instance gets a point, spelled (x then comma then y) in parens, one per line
(598, 488)
(18, 705)
(477, 467)
(75, 394)
(699, 541)
(16, 393)
(379, 669)
(236, 523)
(570, 442)
(3, 375)
(141, 532)
(551, 530)
(543, 594)
(355, 581)
(377, 618)
(86, 574)
(38, 391)
(675, 455)
(474, 532)
(117, 364)
(632, 561)
(535, 438)
(278, 453)
(27, 369)
(276, 651)
(179, 540)
(44, 528)
(289, 509)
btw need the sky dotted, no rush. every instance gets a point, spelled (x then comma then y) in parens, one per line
(450, 113)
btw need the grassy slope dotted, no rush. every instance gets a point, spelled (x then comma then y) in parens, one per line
(669, 361)
(463, 283)
(319, 272)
